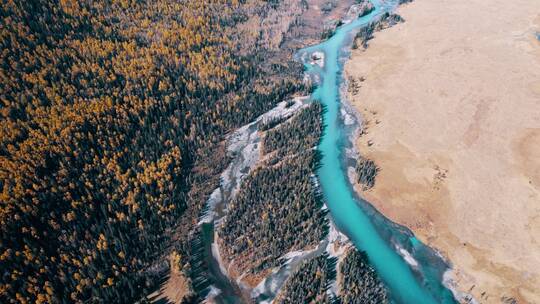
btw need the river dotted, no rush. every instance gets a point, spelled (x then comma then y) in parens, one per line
(412, 272)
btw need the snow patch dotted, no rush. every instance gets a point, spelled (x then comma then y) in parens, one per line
(317, 58)
(357, 10)
(244, 146)
(348, 119)
(217, 256)
(407, 256)
(214, 292)
(461, 297)
(337, 245)
(212, 202)
(271, 285)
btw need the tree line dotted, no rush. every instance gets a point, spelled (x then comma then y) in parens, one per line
(310, 283)
(357, 281)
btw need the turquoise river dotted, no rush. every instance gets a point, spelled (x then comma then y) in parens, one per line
(416, 282)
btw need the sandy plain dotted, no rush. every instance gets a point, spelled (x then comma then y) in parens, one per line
(450, 102)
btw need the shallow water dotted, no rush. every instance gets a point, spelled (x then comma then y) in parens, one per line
(367, 229)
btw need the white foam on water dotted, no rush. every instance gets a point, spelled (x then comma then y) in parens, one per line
(317, 58)
(407, 256)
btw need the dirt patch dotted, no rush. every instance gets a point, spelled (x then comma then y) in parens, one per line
(456, 136)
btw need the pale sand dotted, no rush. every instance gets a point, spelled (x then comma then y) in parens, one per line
(456, 132)
(173, 290)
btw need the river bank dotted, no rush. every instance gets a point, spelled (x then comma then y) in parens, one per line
(449, 106)
(244, 147)
(270, 32)
(410, 271)
(383, 241)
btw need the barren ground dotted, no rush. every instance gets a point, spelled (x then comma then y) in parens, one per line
(451, 101)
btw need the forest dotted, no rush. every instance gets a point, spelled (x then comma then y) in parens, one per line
(359, 283)
(278, 208)
(309, 284)
(113, 116)
(112, 119)
(297, 135)
(356, 282)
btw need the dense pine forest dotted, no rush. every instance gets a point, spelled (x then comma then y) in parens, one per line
(355, 281)
(112, 120)
(278, 208)
(309, 284)
(359, 283)
(300, 134)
